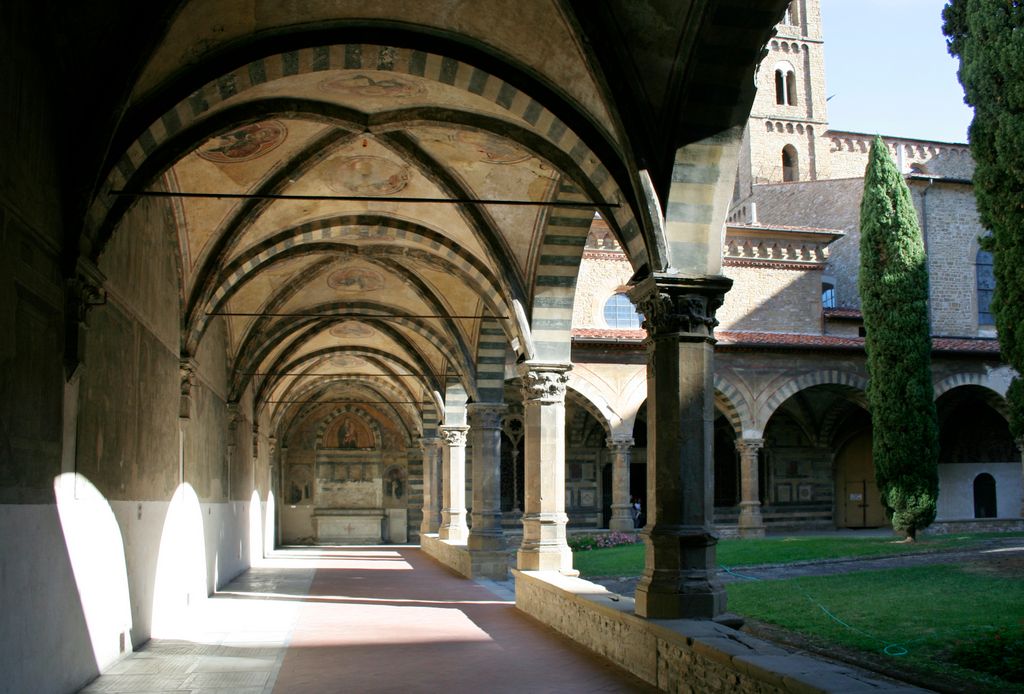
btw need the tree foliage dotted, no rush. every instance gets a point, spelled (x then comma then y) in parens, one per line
(988, 37)
(894, 301)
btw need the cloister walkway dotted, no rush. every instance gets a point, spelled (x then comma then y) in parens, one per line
(362, 619)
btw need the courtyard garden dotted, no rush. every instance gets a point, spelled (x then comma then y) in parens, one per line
(956, 627)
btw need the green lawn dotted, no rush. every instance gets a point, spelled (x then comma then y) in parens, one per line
(919, 613)
(628, 560)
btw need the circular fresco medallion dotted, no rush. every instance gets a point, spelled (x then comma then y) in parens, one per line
(371, 85)
(491, 149)
(355, 279)
(245, 143)
(368, 176)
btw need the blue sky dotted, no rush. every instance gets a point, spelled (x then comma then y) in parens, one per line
(888, 72)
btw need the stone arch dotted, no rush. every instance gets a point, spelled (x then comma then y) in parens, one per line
(983, 380)
(594, 403)
(808, 380)
(403, 61)
(733, 405)
(371, 423)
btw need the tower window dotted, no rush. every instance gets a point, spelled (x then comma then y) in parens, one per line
(790, 171)
(620, 314)
(785, 84)
(986, 285)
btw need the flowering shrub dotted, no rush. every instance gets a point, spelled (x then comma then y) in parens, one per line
(999, 653)
(583, 543)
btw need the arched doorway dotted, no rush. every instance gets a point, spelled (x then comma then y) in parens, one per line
(858, 501)
(985, 505)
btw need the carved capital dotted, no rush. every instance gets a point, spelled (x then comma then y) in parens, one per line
(674, 305)
(83, 290)
(544, 383)
(454, 436)
(234, 416)
(486, 415)
(749, 447)
(620, 444)
(255, 440)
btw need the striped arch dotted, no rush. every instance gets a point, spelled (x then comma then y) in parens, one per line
(558, 265)
(520, 107)
(808, 380)
(733, 405)
(490, 361)
(971, 379)
(407, 414)
(430, 422)
(344, 235)
(371, 422)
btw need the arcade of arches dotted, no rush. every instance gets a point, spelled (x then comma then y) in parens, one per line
(254, 257)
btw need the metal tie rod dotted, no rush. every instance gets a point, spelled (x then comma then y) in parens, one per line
(361, 198)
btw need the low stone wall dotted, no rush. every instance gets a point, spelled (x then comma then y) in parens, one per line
(678, 655)
(453, 555)
(975, 525)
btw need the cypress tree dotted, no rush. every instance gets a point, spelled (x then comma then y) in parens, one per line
(988, 37)
(894, 301)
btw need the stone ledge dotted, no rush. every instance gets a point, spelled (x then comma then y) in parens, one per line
(491, 564)
(679, 654)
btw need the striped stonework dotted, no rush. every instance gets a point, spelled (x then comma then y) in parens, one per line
(698, 203)
(973, 379)
(351, 409)
(733, 405)
(455, 399)
(231, 89)
(490, 361)
(342, 233)
(808, 380)
(557, 268)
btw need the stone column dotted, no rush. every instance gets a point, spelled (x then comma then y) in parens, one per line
(544, 519)
(453, 511)
(679, 579)
(1020, 447)
(750, 522)
(622, 510)
(485, 428)
(431, 522)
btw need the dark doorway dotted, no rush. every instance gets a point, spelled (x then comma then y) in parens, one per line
(984, 496)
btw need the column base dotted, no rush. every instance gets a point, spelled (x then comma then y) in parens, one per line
(750, 523)
(487, 542)
(622, 519)
(489, 564)
(680, 580)
(454, 533)
(546, 558)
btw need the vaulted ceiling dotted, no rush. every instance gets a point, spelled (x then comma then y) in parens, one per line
(378, 199)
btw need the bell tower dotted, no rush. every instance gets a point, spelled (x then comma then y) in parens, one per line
(784, 136)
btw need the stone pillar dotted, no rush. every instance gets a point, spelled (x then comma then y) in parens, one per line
(622, 510)
(1020, 447)
(750, 522)
(453, 510)
(485, 428)
(431, 522)
(679, 579)
(544, 519)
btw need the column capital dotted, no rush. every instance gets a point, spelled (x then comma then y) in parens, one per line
(749, 446)
(426, 442)
(1020, 444)
(674, 305)
(544, 382)
(618, 443)
(486, 415)
(453, 435)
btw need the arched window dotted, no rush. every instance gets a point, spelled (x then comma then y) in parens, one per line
(785, 84)
(790, 170)
(780, 88)
(986, 285)
(984, 496)
(620, 314)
